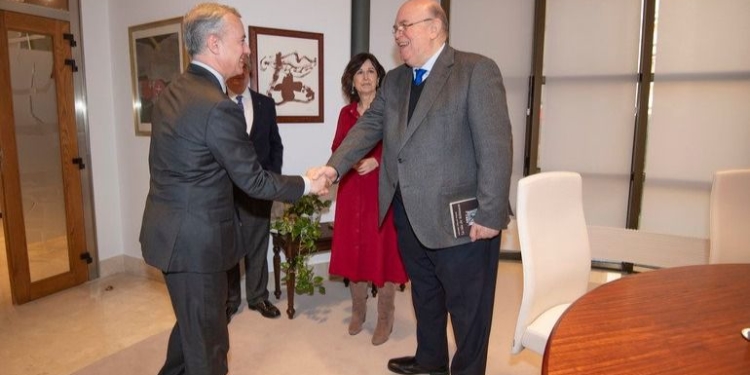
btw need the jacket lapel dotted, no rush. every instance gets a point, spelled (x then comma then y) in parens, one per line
(403, 100)
(434, 85)
(256, 112)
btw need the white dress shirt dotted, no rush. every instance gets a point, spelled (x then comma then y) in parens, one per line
(247, 104)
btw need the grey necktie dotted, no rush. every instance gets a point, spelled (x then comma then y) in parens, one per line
(239, 101)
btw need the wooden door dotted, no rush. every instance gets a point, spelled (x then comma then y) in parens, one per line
(42, 204)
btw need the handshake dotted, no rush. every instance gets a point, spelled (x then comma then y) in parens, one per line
(321, 179)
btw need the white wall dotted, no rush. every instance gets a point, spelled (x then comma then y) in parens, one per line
(105, 169)
(382, 45)
(119, 158)
(503, 30)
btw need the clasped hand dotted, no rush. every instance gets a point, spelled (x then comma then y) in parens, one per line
(321, 178)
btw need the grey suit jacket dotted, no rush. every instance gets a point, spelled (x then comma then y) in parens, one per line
(199, 150)
(457, 145)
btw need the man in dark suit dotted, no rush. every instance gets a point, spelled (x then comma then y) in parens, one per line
(260, 115)
(443, 120)
(199, 150)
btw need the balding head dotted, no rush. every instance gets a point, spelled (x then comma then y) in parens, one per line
(420, 30)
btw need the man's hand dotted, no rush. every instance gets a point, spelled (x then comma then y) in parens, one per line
(366, 166)
(319, 186)
(479, 232)
(321, 179)
(327, 171)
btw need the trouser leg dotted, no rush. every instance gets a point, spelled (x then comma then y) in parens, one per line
(175, 362)
(469, 274)
(256, 264)
(428, 296)
(199, 302)
(234, 299)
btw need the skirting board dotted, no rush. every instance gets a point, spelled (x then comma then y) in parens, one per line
(128, 264)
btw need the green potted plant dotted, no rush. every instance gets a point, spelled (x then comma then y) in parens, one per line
(300, 224)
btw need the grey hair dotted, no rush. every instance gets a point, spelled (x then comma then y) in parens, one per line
(201, 21)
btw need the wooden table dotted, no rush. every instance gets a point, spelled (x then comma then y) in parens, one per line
(684, 320)
(282, 243)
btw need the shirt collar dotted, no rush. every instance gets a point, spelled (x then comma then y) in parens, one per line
(430, 62)
(245, 94)
(214, 72)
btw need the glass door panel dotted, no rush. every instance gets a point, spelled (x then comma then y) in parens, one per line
(40, 167)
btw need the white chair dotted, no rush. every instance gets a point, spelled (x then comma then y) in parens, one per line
(555, 253)
(729, 232)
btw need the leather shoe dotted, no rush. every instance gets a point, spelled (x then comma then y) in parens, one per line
(265, 308)
(231, 310)
(409, 366)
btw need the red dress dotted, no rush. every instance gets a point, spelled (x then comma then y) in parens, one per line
(362, 251)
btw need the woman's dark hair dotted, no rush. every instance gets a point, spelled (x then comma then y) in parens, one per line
(347, 80)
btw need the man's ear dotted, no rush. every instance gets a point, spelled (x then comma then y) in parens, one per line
(213, 43)
(434, 30)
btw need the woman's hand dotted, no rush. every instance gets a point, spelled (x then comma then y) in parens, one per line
(366, 166)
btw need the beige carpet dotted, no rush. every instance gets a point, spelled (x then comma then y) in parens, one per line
(316, 341)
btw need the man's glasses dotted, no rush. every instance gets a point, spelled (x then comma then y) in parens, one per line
(402, 27)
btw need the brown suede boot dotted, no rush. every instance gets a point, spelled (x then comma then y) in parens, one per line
(386, 307)
(359, 306)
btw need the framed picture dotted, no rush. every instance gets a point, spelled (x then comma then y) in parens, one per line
(288, 66)
(157, 56)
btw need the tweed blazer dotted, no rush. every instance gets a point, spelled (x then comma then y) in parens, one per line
(199, 151)
(457, 145)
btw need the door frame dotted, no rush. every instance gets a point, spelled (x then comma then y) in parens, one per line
(22, 288)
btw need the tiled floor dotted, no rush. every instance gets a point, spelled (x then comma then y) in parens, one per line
(67, 331)
(71, 329)
(61, 333)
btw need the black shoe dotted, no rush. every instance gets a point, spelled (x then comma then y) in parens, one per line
(265, 308)
(409, 366)
(231, 310)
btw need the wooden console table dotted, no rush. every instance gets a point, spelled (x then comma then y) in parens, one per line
(282, 243)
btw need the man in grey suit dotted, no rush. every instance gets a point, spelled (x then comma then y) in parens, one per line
(443, 120)
(255, 214)
(199, 151)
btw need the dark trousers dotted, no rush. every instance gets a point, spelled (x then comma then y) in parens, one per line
(199, 342)
(255, 233)
(459, 281)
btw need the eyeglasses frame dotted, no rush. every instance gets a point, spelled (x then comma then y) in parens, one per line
(402, 27)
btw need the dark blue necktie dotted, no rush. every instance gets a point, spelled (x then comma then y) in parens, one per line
(239, 101)
(418, 78)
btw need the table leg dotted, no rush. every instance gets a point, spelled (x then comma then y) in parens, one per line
(290, 284)
(276, 270)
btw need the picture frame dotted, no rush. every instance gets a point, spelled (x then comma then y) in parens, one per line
(157, 56)
(287, 65)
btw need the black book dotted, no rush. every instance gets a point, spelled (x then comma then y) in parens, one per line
(462, 215)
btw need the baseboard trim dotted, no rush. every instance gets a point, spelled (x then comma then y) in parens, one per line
(128, 264)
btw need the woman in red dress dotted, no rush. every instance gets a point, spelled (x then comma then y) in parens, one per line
(362, 251)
